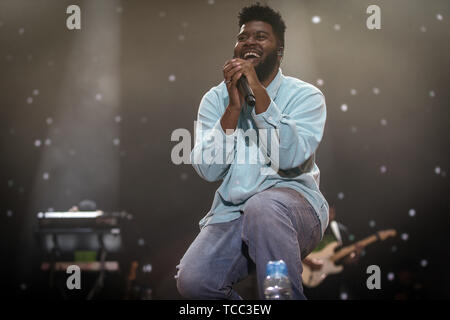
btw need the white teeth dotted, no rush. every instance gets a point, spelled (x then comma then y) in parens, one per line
(251, 53)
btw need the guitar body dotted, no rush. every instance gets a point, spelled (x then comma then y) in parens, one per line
(312, 278)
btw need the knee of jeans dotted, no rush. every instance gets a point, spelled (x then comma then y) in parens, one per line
(191, 284)
(188, 285)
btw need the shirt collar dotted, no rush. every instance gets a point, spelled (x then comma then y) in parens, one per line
(274, 85)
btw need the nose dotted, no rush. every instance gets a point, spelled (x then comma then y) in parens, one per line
(250, 40)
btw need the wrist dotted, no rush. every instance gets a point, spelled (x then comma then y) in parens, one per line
(262, 99)
(253, 80)
(233, 108)
(257, 87)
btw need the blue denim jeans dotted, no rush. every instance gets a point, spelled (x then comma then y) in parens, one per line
(278, 223)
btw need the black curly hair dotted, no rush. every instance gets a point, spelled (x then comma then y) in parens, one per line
(257, 12)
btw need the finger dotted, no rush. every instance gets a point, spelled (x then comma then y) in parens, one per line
(235, 78)
(228, 62)
(231, 64)
(318, 261)
(229, 75)
(238, 60)
(230, 67)
(230, 86)
(232, 61)
(230, 71)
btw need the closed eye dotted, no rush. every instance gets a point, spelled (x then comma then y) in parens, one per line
(242, 38)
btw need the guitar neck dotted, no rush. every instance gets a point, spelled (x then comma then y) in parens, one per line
(349, 249)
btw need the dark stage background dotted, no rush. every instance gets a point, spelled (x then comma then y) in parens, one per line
(88, 115)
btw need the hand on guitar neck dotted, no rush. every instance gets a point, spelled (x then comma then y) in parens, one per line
(313, 263)
(353, 257)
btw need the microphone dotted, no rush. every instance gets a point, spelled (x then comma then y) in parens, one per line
(246, 91)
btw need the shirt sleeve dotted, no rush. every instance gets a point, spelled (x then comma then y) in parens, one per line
(214, 150)
(299, 129)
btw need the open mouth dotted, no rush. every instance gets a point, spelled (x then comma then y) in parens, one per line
(251, 55)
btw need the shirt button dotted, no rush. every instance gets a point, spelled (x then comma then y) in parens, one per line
(270, 118)
(237, 182)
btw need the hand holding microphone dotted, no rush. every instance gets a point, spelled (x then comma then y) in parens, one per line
(239, 89)
(240, 77)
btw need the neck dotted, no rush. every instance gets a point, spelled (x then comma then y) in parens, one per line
(272, 76)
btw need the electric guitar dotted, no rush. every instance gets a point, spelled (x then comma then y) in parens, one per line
(312, 278)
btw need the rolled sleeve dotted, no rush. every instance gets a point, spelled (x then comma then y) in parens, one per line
(268, 119)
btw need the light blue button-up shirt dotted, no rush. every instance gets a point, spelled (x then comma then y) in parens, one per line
(296, 113)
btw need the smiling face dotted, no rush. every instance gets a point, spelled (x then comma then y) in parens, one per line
(258, 43)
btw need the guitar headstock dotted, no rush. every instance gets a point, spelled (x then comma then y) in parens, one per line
(384, 234)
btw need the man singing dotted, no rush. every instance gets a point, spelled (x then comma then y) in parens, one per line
(257, 215)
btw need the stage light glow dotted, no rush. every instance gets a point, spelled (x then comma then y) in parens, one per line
(316, 19)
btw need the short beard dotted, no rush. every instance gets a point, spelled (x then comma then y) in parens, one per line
(266, 67)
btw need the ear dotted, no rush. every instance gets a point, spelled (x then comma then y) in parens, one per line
(280, 51)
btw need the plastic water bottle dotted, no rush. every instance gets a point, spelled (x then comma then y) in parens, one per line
(277, 285)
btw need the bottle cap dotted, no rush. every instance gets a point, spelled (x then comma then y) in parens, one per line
(282, 268)
(276, 268)
(271, 268)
